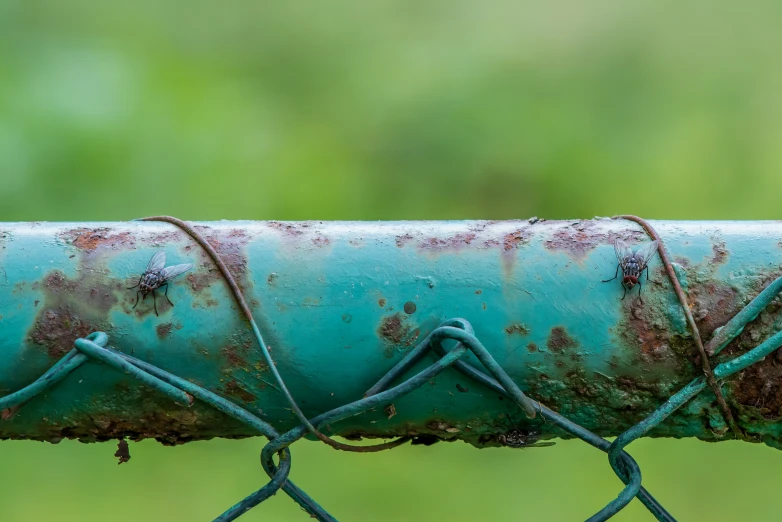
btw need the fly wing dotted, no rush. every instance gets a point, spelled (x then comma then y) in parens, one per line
(170, 272)
(647, 251)
(622, 251)
(157, 262)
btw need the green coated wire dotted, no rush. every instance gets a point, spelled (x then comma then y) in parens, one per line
(459, 330)
(727, 333)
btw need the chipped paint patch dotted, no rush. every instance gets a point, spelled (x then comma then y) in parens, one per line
(89, 239)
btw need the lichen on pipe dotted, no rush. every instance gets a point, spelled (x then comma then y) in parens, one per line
(340, 303)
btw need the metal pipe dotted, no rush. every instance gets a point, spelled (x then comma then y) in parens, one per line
(340, 303)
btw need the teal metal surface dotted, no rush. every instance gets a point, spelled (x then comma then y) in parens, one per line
(341, 303)
(566, 373)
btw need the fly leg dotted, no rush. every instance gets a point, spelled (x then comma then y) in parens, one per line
(139, 282)
(137, 293)
(615, 275)
(169, 300)
(639, 291)
(624, 294)
(647, 275)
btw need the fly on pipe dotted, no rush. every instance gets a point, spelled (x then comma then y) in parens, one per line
(340, 303)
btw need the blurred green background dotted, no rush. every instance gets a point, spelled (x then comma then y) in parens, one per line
(388, 110)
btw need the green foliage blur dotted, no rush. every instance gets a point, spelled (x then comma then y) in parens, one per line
(388, 110)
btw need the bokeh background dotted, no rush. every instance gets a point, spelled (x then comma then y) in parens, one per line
(389, 109)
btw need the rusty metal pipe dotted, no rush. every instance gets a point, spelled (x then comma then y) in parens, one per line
(340, 303)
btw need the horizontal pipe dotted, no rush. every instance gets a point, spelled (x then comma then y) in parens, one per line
(340, 303)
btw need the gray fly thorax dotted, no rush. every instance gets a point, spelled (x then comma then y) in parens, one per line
(150, 281)
(633, 265)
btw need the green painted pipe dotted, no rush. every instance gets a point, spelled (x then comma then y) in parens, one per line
(340, 303)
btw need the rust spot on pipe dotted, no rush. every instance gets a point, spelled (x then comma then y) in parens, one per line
(517, 328)
(236, 355)
(559, 340)
(381, 302)
(454, 242)
(290, 229)
(57, 328)
(231, 248)
(403, 240)
(756, 389)
(320, 241)
(57, 282)
(89, 239)
(720, 252)
(409, 308)
(510, 243)
(578, 239)
(164, 330)
(71, 308)
(392, 328)
(158, 419)
(514, 239)
(396, 331)
(647, 333)
(713, 305)
(234, 389)
(168, 237)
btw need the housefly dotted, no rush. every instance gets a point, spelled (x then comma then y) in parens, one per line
(633, 262)
(157, 275)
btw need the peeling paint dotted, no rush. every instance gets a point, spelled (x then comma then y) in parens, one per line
(402, 240)
(720, 252)
(578, 239)
(455, 242)
(89, 239)
(288, 228)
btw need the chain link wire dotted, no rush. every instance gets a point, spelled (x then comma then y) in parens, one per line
(384, 392)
